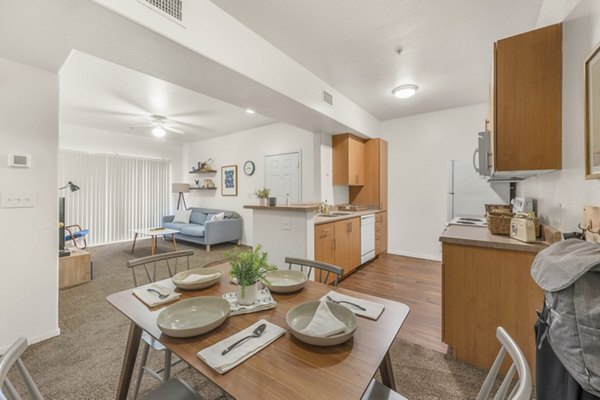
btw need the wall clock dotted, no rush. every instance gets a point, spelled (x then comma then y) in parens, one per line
(249, 168)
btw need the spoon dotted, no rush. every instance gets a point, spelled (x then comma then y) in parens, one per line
(160, 295)
(347, 302)
(256, 333)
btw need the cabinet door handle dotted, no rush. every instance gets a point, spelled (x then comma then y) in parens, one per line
(333, 244)
(349, 227)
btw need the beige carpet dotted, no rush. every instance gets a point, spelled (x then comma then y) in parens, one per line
(85, 360)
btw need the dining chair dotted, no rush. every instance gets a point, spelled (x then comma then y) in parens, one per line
(173, 389)
(153, 262)
(378, 391)
(523, 387)
(10, 358)
(324, 269)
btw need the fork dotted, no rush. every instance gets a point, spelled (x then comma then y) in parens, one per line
(347, 302)
(160, 295)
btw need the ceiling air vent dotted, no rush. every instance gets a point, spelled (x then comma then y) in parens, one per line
(327, 98)
(170, 8)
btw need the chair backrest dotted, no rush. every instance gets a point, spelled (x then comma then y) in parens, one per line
(10, 358)
(523, 387)
(173, 257)
(324, 269)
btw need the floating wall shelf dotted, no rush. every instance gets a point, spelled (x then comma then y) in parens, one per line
(203, 171)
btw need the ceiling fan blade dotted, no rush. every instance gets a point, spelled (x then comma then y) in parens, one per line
(174, 130)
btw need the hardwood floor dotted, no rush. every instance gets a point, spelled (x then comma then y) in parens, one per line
(412, 281)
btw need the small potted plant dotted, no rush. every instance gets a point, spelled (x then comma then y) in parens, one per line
(248, 268)
(263, 195)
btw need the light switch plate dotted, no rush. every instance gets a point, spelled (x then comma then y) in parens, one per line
(17, 199)
(286, 225)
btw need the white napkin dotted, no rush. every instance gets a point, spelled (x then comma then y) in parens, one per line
(374, 310)
(197, 278)
(324, 323)
(151, 299)
(212, 355)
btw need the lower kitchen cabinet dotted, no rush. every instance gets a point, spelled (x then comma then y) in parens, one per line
(338, 243)
(381, 236)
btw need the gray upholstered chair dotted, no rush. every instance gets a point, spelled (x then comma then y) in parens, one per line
(171, 262)
(10, 358)
(322, 271)
(173, 389)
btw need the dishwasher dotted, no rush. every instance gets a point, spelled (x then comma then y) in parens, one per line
(367, 238)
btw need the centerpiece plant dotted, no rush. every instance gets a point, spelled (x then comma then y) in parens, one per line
(248, 268)
(263, 195)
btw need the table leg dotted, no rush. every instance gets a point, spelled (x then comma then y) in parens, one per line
(133, 342)
(134, 239)
(174, 244)
(153, 239)
(387, 373)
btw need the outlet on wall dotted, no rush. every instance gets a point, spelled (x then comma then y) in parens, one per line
(17, 200)
(286, 224)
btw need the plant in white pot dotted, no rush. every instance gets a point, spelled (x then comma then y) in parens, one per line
(263, 195)
(248, 268)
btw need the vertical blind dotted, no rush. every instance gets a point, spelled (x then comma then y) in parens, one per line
(117, 194)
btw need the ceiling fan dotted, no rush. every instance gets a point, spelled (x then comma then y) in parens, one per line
(160, 125)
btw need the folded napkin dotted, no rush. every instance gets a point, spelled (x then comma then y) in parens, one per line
(324, 323)
(374, 310)
(223, 363)
(264, 301)
(197, 278)
(151, 299)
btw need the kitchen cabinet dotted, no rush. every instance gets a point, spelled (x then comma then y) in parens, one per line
(380, 233)
(375, 190)
(348, 160)
(338, 243)
(526, 101)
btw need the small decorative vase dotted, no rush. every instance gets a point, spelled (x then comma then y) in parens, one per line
(249, 296)
(262, 201)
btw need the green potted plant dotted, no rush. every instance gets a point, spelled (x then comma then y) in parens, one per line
(263, 195)
(248, 268)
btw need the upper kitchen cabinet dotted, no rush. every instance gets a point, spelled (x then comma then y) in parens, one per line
(375, 190)
(526, 101)
(348, 160)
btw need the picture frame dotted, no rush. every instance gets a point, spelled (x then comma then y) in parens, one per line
(229, 180)
(592, 114)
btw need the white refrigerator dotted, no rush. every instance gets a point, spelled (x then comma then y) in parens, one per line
(468, 192)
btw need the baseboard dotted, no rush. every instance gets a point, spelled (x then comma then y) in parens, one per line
(415, 255)
(36, 339)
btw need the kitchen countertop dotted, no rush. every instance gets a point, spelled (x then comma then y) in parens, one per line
(347, 215)
(481, 237)
(293, 207)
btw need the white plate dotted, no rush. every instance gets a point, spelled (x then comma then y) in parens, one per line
(178, 278)
(300, 316)
(286, 281)
(193, 316)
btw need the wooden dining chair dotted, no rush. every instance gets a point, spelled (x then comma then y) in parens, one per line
(523, 387)
(322, 271)
(154, 263)
(10, 358)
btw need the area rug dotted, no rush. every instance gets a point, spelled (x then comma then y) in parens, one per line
(85, 360)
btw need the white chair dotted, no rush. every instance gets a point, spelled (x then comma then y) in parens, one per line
(523, 387)
(10, 358)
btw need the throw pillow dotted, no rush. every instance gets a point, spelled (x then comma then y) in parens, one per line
(182, 217)
(215, 217)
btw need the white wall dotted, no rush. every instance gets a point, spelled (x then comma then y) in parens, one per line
(92, 140)
(254, 145)
(332, 194)
(29, 238)
(419, 150)
(562, 195)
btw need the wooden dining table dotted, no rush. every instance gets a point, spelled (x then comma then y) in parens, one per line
(287, 368)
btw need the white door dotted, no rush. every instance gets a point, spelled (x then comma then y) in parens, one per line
(283, 177)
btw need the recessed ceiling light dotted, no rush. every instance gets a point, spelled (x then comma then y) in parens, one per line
(250, 111)
(405, 91)
(158, 131)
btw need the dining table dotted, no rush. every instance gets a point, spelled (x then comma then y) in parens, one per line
(287, 368)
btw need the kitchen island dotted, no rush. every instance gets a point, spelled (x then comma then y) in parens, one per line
(486, 283)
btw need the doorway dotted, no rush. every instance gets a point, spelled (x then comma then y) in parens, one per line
(282, 176)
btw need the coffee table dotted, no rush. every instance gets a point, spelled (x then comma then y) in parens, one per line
(154, 233)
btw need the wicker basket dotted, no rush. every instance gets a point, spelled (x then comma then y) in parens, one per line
(499, 223)
(495, 207)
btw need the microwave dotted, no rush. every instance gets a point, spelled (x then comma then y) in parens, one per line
(484, 166)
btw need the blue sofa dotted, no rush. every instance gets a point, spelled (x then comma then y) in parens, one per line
(199, 231)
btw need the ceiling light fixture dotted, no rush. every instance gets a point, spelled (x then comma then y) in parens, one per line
(250, 111)
(405, 91)
(158, 131)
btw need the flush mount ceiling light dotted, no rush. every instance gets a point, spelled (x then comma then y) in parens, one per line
(250, 111)
(158, 131)
(405, 91)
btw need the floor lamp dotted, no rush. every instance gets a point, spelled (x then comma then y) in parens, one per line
(181, 188)
(61, 219)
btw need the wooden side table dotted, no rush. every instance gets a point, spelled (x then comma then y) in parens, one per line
(74, 269)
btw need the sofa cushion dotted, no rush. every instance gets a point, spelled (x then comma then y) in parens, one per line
(174, 225)
(198, 217)
(228, 214)
(182, 217)
(193, 230)
(215, 217)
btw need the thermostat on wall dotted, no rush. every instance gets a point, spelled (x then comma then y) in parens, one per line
(19, 161)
